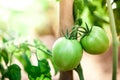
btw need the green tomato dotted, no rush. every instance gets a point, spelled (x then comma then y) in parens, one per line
(66, 53)
(95, 42)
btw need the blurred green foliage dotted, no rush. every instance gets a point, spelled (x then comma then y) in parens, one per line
(94, 12)
(13, 72)
(23, 51)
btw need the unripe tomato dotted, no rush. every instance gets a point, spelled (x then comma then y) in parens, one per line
(96, 41)
(66, 53)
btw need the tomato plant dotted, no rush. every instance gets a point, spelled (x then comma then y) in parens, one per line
(66, 53)
(23, 52)
(95, 41)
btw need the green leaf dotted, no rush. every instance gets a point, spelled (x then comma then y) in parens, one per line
(13, 72)
(92, 12)
(103, 3)
(40, 72)
(44, 66)
(78, 7)
(2, 69)
(92, 7)
(31, 78)
(4, 54)
(24, 47)
(34, 72)
(42, 50)
(4, 40)
(46, 78)
(41, 77)
(23, 58)
(41, 54)
(78, 21)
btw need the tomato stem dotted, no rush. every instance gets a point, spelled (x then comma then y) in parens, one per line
(80, 72)
(114, 39)
(78, 30)
(73, 33)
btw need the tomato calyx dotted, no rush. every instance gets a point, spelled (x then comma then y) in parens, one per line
(76, 32)
(72, 35)
(87, 31)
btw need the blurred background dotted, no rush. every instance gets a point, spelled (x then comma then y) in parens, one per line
(19, 17)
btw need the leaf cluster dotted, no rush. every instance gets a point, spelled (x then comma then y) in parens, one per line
(23, 52)
(94, 12)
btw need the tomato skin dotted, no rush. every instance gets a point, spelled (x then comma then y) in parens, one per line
(66, 53)
(95, 42)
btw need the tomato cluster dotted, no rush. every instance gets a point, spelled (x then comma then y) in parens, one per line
(67, 53)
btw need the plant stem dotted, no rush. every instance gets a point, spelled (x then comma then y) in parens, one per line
(114, 39)
(48, 52)
(80, 72)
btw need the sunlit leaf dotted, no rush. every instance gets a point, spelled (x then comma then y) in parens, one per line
(41, 54)
(10, 47)
(23, 58)
(24, 48)
(41, 50)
